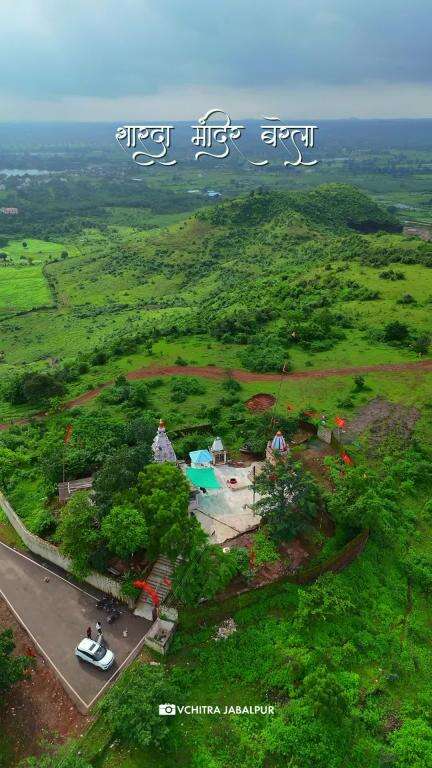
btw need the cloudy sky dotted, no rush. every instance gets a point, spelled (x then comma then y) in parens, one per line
(174, 59)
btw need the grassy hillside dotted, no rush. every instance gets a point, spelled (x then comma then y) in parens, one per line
(309, 277)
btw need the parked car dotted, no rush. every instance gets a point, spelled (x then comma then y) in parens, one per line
(94, 653)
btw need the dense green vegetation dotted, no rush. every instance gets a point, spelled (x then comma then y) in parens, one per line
(268, 281)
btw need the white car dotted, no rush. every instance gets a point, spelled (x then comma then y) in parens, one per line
(94, 653)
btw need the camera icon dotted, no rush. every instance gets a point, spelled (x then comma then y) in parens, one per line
(167, 709)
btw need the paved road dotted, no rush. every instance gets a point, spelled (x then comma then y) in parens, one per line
(56, 614)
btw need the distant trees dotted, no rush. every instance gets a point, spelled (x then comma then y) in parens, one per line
(289, 499)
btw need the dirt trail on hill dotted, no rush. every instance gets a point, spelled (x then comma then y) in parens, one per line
(214, 373)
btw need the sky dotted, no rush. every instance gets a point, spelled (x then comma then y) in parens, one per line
(98, 60)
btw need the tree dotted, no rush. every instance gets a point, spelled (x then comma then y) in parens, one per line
(131, 707)
(259, 428)
(33, 388)
(361, 498)
(331, 695)
(125, 530)
(289, 499)
(78, 532)
(412, 744)
(119, 472)
(9, 462)
(12, 668)
(139, 395)
(261, 357)
(206, 571)
(163, 498)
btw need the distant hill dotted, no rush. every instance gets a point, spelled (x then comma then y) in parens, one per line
(331, 205)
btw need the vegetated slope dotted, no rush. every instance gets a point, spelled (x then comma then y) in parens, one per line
(219, 249)
(229, 270)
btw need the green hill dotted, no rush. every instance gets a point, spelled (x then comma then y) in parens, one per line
(279, 275)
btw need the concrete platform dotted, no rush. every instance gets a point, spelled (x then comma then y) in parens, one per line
(226, 512)
(56, 614)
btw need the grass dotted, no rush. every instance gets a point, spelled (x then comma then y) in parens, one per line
(8, 534)
(39, 251)
(22, 288)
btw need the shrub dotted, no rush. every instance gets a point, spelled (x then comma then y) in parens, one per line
(33, 388)
(395, 332)
(131, 707)
(265, 358)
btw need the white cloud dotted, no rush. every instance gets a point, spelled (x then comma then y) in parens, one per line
(376, 99)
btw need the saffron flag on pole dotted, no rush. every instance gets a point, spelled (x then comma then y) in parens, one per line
(340, 422)
(347, 459)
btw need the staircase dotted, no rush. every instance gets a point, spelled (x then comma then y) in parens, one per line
(162, 569)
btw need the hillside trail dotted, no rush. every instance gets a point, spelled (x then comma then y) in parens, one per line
(215, 374)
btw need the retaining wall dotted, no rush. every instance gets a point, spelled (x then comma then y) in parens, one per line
(53, 555)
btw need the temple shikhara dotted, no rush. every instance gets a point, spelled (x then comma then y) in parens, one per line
(161, 447)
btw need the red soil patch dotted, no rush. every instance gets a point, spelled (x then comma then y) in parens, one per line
(261, 402)
(37, 709)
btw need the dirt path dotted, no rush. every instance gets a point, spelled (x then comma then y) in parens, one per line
(37, 709)
(215, 374)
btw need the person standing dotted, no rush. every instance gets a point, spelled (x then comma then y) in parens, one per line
(89, 633)
(98, 627)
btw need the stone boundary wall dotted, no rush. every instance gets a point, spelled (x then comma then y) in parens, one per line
(53, 555)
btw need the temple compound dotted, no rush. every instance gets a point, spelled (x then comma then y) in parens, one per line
(221, 491)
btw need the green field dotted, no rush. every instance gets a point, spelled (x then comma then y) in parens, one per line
(22, 288)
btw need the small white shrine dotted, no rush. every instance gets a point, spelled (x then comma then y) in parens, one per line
(218, 451)
(277, 448)
(161, 447)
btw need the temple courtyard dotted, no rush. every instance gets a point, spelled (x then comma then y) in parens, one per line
(226, 511)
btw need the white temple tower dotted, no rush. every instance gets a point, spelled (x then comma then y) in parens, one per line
(161, 447)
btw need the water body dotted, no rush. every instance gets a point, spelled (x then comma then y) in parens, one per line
(20, 172)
